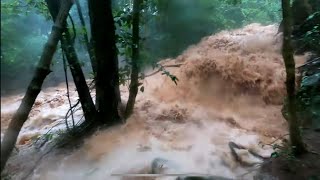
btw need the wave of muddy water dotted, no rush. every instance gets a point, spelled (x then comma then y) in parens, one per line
(230, 88)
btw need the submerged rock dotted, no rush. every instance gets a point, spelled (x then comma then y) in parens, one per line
(160, 166)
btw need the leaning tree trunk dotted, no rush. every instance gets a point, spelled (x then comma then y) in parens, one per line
(134, 84)
(104, 44)
(87, 104)
(287, 53)
(34, 88)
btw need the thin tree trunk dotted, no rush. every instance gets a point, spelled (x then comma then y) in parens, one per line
(85, 98)
(134, 84)
(87, 104)
(34, 88)
(287, 53)
(104, 44)
(301, 10)
(86, 39)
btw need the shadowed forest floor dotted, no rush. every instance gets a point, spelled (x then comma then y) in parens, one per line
(305, 167)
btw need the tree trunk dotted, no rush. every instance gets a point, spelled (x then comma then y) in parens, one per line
(301, 10)
(85, 98)
(287, 53)
(104, 44)
(86, 39)
(34, 88)
(87, 104)
(134, 84)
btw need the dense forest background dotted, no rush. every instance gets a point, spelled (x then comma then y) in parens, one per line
(167, 28)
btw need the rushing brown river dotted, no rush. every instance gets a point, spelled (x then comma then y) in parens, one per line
(230, 88)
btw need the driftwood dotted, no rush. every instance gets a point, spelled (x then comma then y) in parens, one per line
(34, 88)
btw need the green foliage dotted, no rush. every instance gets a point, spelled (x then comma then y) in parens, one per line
(307, 35)
(308, 100)
(284, 152)
(168, 27)
(22, 8)
(172, 77)
(307, 38)
(40, 7)
(20, 40)
(123, 19)
(178, 24)
(123, 22)
(166, 73)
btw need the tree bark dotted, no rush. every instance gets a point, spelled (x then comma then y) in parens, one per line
(34, 88)
(104, 44)
(87, 104)
(287, 53)
(86, 39)
(301, 10)
(134, 84)
(85, 98)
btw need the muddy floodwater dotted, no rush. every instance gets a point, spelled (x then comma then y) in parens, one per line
(230, 88)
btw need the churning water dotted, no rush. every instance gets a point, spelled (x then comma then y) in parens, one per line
(230, 88)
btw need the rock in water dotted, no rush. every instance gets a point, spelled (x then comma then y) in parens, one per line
(160, 166)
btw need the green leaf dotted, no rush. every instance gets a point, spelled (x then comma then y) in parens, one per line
(274, 155)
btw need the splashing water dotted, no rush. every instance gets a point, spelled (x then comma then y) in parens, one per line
(231, 87)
